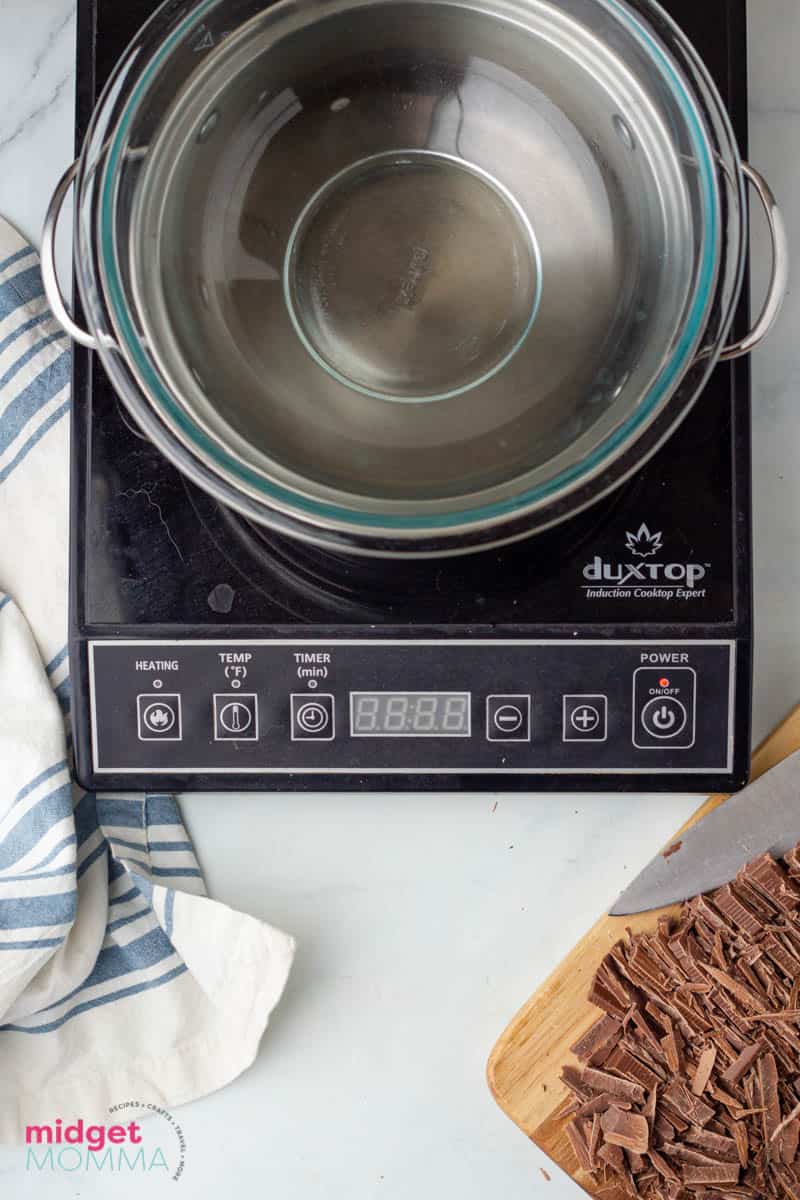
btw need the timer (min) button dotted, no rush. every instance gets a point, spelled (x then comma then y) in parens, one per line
(508, 719)
(313, 717)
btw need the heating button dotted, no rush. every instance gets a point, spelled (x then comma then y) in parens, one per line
(159, 716)
(664, 708)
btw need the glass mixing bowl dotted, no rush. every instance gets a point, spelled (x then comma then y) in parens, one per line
(410, 276)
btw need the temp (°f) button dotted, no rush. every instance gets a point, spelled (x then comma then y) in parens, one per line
(236, 717)
(159, 717)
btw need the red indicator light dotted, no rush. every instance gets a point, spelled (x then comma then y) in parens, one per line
(663, 683)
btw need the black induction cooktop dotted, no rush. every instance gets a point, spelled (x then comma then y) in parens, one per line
(612, 652)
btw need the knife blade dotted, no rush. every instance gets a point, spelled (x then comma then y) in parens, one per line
(763, 816)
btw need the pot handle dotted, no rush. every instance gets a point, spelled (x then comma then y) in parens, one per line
(780, 269)
(49, 275)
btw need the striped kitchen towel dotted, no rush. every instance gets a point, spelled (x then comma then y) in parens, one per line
(119, 978)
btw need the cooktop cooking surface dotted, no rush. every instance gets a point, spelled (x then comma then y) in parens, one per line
(612, 652)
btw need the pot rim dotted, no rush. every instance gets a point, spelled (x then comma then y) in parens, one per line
(617, 457)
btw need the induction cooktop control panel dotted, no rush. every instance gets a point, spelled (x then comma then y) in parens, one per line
(406, 707)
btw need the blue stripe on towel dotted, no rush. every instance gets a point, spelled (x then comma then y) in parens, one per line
(46, 813)
(54, 853)
(29, 875)
(175, 872)
(41, 944)
(36, 437)
(27, 357)
(40, 778)
(92, 858)
(64, 694)
(15, 258)
(47, 384)
(23, 329)
(169, 913)
(56, 662)
(86, 822)
(33, 912)
(120, 921)
(115, 841)
(23, 288)
(133, 990)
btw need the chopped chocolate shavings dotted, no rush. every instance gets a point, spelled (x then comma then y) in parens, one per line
(687, 1087)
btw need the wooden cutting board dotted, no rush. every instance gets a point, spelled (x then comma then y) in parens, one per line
(525, 1065)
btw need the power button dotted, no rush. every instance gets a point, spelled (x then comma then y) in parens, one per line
(664, 718)
(664, 704)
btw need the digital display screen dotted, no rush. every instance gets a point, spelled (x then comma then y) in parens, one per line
(410, 714)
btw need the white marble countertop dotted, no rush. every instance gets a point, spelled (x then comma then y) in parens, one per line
(423, 922)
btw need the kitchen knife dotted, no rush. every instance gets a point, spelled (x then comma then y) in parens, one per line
(764, 816)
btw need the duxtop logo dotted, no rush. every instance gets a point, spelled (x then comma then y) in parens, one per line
(644, 576)
(644, 544)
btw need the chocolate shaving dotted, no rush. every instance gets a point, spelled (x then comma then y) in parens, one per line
(789, 1141)
(695, 1111)
(625, 1129)
(788, 1014)
(602, 1034)
(688, 1087)
(579, 1145)
(601, 1081)
(768, 1086)
(663, 1167)
(714, 1143)
(739, 1131)
(704, 1068)
(788, 1181)
(713, 1173)
(673, 1051)
(599, 1104)
(594, 1140)
(743, 1063)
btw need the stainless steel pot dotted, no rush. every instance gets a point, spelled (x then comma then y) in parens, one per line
(411, 277)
